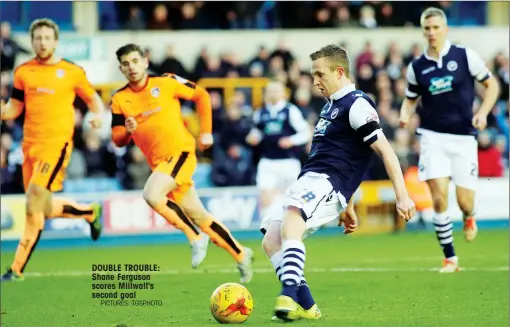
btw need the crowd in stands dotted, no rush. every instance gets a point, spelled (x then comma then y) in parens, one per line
(233, 162)
(281, 14)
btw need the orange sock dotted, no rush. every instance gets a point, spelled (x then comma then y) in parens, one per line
(220, 235)
(174, 215)
(66, 208)
(27, 244)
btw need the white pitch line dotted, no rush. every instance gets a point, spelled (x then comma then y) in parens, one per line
(263, 271)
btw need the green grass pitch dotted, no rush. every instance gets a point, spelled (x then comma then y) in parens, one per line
(381, 280)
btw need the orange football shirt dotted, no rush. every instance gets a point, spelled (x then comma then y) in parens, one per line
(161, 132)
(48, 92)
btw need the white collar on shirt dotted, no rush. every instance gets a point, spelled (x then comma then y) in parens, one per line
(342, 92)
(277, 106)
(446, 47)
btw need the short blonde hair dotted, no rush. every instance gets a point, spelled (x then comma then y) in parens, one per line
(432, 12)
(336, 56)
(44, 22)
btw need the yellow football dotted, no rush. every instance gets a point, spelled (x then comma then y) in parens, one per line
(231, 303)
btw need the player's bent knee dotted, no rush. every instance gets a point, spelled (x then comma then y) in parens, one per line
(271, 244)
(37, 197)
(152, 198)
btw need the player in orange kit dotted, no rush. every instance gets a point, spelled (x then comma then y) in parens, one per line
(46, 87)
(147, 110)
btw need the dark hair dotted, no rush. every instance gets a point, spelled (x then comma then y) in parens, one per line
(44, 22)
(336, 56)
(127, 49)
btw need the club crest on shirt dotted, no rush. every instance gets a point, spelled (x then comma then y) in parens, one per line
(155, 92)
(60, 73)
(452, 65)
(372, 117)
(334, 114)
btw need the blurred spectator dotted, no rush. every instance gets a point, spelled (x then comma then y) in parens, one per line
(283, 52)
(323, 19)
(232, 165)
(153, 68)
(262, 59)
(100, 161)
(136, 19)
(77, 168)
(386, 16)
(159, 19)
(9, 48)
(415, 52)
(173, 65)
(137, 170)
(243, 14)
(343, 18)
(489, 157)
(367, 17)
(217, 111)
(190, 19)
(366, 56)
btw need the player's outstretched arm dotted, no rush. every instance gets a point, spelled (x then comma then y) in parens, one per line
(409, 104)
(202, 100)
(490, 98)
(95, 104)
(11, 109)
(405, 206)
(407, 111)
(188, 90)
(483, 75)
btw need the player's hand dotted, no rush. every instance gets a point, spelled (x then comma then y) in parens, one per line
(131, 124)
(285, 143)
(205, 141)
(253, 139)
(96, 121)
(350, 220)
(406, 208)
(479, 121)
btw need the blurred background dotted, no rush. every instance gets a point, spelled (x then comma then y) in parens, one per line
(232, 49)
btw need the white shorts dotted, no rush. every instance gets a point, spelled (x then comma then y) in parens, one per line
(314, 195)
(277, 173)
(448, 155)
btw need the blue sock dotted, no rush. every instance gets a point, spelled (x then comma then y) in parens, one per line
(304, 295)
(292, 265)
(444, 232)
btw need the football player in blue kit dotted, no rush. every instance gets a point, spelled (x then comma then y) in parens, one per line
(344, 140)
(444, 77)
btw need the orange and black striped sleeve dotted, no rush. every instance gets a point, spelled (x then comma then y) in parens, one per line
(18, 88)
(120, 135)
(117, 115)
